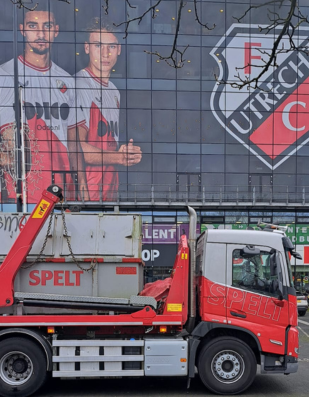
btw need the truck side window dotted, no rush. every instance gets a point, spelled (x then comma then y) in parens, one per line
(254, 273)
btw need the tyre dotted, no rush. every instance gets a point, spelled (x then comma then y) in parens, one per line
(22, 367)
(227, 365)
(302, 313)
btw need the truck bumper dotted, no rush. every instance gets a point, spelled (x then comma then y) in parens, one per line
(291, 368)
(278, 364)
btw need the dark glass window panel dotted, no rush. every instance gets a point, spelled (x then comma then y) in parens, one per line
(165, 22)
(236, 163)
(188, 163)
(211, 163)
(188, 127)
(163, 100)
(139, 99)
(164, 163)
(138, 62)
(164, 125)
(139, 125)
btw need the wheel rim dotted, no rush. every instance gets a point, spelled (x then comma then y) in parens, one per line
(15, 368)
(227, 366)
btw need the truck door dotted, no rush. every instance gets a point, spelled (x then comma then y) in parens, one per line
(212, 285)
(253, 295)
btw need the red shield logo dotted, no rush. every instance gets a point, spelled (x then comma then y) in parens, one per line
(62, 87)
(271, 122)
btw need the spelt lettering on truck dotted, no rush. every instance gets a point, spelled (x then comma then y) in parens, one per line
(56, 277)
(228, 305)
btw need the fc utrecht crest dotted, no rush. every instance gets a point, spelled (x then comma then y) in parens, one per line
(271, 122)
(61, 85)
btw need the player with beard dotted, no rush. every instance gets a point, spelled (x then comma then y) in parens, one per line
(50, 108)
(100, 101)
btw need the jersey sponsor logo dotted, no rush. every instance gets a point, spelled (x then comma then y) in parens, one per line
(48, 127)
(104, 128)
(46, 111)
(109, 128)
(41, 210)
(61, 85)
(271, 122)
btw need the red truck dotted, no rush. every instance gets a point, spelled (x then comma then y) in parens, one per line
(80, 308)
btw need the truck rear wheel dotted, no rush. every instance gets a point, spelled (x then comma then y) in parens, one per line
(22, 367)
(227, 365)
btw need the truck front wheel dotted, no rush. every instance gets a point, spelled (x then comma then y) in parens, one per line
(22, 367)
(227, 365)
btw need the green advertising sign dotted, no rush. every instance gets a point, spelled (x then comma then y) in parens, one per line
(299, 234)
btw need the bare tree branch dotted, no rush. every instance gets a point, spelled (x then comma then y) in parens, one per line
(285, 25)
(198, 19)
(287, 29)
(258, 6)
(175, 59)
(20, 4)
(106, 7)
(139, 19)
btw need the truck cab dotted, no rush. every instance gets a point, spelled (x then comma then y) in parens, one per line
(245, 291)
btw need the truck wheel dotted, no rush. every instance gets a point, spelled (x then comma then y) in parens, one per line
(22, 367)
(301, 314)
(227, 365)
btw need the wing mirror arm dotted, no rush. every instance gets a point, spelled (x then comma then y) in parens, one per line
(280, 295)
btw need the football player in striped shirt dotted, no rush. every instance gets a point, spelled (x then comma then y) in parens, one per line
(100, 101)
(53, 116)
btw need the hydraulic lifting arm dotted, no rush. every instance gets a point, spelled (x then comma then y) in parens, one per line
(23, 244)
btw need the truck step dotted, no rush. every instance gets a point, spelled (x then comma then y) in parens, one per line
(133, 301)
(98, 358)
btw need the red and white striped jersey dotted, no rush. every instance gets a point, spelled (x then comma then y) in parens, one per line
(50, 109)
(100, 102)
(7, 114)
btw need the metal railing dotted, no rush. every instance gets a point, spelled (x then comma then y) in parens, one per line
(173, 195)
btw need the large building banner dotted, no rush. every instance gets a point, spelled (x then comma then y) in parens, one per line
(105, 120)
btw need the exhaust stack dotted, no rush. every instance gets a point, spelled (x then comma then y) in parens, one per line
(192, 272)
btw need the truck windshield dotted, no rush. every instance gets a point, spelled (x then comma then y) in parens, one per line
(288, 262)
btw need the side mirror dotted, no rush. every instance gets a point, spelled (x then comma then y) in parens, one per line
(249, 251)
(276, 288)
(280, 292)
(296, 255)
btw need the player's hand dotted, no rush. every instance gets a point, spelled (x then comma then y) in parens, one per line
(130, 154)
